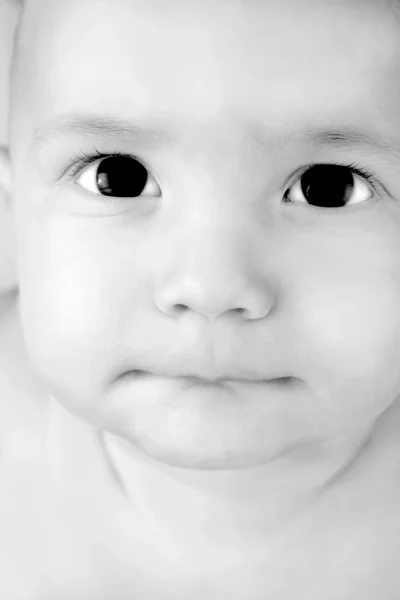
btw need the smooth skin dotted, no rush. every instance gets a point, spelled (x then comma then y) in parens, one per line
(9, 10)
(220, 268)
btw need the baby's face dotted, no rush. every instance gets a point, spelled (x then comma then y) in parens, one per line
(212, 246)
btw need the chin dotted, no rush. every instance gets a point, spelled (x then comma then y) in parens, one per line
(198, 453)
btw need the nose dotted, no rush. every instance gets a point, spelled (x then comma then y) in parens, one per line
(212, 275)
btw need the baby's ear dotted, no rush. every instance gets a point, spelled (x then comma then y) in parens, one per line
(8, 277)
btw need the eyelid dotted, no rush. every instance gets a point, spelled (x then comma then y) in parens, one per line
(84, 159)
(87, 159)
(354, 167)
(368, 180)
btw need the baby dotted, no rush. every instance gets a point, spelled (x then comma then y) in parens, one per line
(200, 387)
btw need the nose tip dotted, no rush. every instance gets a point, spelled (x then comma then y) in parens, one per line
(214, 278)
(254, 306)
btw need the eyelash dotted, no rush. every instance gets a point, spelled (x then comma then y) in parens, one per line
(354, 167)
(84, 159)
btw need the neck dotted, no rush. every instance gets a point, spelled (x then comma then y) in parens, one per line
(214, 511)
(218, 517)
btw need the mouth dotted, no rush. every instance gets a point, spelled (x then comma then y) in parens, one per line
(195, 379)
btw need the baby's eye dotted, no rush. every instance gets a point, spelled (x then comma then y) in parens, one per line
(329, 186)
(118, 176)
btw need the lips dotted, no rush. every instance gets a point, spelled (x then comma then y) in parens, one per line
(208, 380)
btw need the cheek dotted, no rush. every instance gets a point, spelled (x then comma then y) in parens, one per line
(71, 302)
(352, 333)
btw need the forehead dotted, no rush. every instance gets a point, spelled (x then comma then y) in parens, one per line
(275, 62)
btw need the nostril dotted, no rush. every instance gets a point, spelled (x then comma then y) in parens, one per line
(180, 308)
(287, 380)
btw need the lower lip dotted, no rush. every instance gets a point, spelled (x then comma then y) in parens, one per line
(194, 381)
(195, 423)
(191, 401)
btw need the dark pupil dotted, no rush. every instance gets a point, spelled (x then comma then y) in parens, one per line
(121, 176)
(330, 185)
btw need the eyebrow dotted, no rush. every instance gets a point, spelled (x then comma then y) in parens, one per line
(347, 136)
(83, 126)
